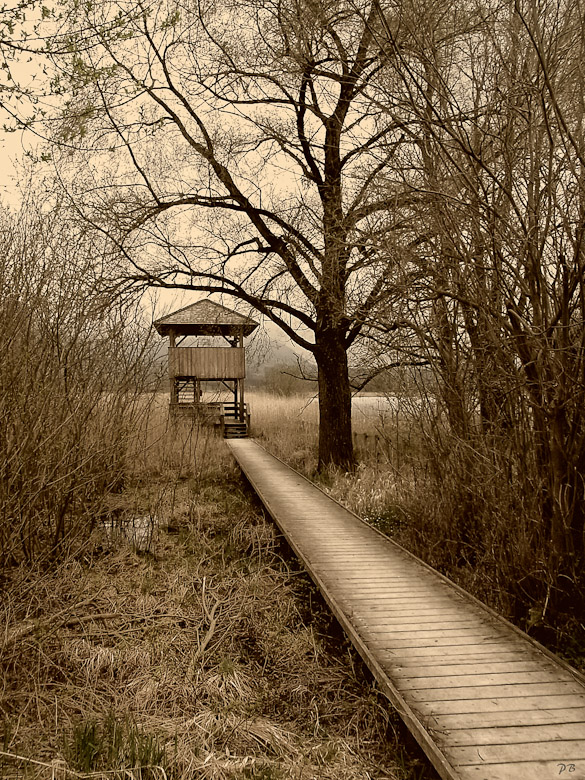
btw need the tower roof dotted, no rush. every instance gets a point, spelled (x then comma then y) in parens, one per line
(205, 318)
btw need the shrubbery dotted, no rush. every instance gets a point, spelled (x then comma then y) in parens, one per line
(72, 374)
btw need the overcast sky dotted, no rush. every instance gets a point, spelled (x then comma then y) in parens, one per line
(11, 149)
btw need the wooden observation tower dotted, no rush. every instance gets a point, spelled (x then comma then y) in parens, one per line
(189, 366)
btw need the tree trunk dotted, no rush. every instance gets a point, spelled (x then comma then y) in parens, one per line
(335, 439)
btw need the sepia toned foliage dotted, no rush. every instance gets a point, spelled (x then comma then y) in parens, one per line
(71, 376)
(494, 286)
(210, 656)
(400, 183)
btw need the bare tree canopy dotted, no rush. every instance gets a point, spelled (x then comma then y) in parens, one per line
(242, 148)
(494, 95)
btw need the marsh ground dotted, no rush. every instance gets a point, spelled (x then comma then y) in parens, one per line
(209, 655)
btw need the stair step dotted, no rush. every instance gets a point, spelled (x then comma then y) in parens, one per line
(235, 429)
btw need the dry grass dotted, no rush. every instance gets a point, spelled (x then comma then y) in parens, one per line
(288, 425)
(210, 656)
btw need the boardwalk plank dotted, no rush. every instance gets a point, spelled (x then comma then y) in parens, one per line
(368, 614)
(386, 576)
(557, 750)
(509, 735)
(427, 627)
(394, 589)
(438, 608)
(474, 638)
(416, 671)
(456, 656)
(447, 653)
(494, 691)
(387, 599)
(525, 770)
(471, 631)
(529, 717)
(475, 680)
(411, 622)
(522, 703)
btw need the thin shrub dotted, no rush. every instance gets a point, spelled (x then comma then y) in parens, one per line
(72, 371)
(477, 516)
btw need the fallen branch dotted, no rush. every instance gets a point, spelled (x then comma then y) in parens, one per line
(210, 614)
(38, 625)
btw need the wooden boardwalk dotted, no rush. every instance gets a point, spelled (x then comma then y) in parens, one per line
(483, 700)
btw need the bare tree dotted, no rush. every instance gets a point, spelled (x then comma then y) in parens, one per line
(241, 149)
(494, 102)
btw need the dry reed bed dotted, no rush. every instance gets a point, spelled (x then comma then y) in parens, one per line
(386, 473)
(207, 657)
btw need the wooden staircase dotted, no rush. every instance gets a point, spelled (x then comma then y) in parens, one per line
(233, 426)
(234, 429)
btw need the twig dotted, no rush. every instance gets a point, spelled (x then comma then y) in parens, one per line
(65, 623)
(210, 614)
